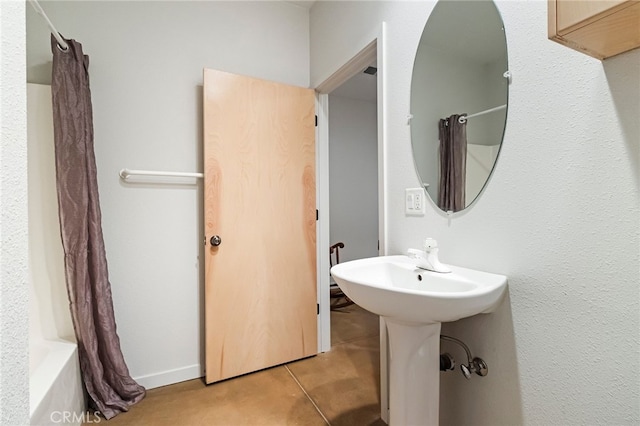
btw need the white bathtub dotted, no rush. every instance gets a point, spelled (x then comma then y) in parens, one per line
(56, 394)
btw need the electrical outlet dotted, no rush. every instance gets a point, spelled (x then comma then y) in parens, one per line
(414, 201)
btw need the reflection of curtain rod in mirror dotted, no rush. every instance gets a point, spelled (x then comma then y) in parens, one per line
(464, 118)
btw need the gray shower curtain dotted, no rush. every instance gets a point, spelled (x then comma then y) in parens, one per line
(453, 164)
(104, 372)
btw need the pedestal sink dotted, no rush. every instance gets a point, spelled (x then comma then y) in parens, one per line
(414, 302)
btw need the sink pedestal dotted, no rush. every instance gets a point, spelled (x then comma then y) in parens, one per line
(414, 373)
(414, 303)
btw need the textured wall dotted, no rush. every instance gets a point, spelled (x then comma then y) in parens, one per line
(146, 81)
(559, 217)
(14, 380)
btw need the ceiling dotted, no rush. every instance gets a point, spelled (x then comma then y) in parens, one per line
(303, 3)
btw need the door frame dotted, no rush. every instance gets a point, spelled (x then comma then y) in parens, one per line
(372, 49)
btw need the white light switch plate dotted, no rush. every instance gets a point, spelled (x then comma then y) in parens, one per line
(414, 201)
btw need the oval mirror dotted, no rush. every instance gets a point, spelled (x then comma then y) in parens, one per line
(459, 94)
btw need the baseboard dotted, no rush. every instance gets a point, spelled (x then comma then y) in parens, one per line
(170, 377)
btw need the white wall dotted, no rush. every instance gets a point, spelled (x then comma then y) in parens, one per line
(353, 176)
(14, 379)
(559, 217)
(49, 315)
(146, 62)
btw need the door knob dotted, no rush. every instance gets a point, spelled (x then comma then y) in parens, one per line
(215, 241)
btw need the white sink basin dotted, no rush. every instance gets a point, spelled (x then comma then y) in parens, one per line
(393, 287)
(414, 303)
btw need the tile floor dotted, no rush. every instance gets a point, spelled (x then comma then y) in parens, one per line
(339, 387)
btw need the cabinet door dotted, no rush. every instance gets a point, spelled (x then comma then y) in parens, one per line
(597, 28)
(570, 13)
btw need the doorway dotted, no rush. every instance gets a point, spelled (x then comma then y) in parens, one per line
(353, 192)
(370, 54)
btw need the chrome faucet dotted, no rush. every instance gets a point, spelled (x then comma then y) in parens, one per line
(428, 257)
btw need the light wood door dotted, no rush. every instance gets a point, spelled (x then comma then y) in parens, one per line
(259, 186)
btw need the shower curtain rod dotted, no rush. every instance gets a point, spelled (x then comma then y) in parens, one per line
(126, 173)
(464, 118)
(61, 43)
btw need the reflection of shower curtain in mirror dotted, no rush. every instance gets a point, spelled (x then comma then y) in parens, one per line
(453, 164)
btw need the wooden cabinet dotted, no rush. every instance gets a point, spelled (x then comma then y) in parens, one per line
(599, 28)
